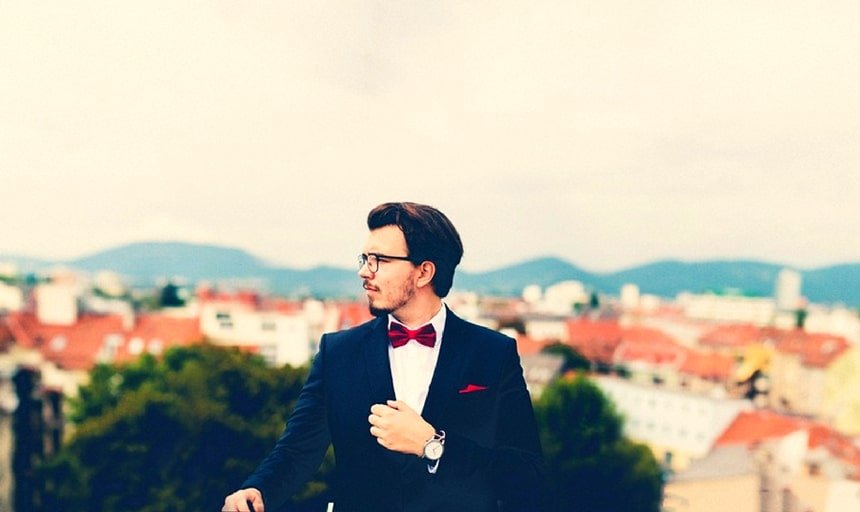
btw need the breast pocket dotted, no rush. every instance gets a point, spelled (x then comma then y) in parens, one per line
(473, 413)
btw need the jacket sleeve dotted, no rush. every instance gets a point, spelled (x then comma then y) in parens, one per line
(299, 451)
(514, 462)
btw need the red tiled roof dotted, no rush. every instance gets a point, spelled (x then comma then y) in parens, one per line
(752, 427)
(732, 336)
(79, 346)
(653, 352)
(284, 306)
(835, 443)
(158, 332)
(74, 347)
(528, 345)
(648, 335)
(244, 297)
(5, 334)
(6, 337)
(609, 342)
(596, 340)
(708, 366)
(815, 350)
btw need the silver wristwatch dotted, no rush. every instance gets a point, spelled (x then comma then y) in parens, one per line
(433, 450)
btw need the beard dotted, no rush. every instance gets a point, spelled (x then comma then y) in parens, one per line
(406, 292)
(377, 312)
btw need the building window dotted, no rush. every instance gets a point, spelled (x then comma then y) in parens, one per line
(136, 346)
(225, 321)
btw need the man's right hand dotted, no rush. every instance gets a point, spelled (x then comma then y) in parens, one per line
(244, 500)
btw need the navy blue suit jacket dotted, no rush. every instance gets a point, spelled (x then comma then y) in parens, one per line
(492, 458)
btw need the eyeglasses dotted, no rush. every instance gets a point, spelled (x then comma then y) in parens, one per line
(372, 260)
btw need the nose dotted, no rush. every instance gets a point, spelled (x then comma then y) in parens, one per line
(364, 272)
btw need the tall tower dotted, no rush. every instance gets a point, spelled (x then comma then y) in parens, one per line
(787, 291)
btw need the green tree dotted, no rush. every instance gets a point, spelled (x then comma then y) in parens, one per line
(171, 296)
(594, 301)
(590, 465)
(176, 433)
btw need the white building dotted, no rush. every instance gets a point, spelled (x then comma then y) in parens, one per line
(787, 293)
(280, 338)
(679, 427)
(532, 294)
(547, 327)
(110, 283)
(57, 303)
(561, 297)
(11, 297)
(839, 321)
(629, 297)
(728, 308)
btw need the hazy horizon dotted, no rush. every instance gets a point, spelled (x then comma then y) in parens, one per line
(6, 257)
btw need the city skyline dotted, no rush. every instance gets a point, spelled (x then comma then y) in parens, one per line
(609, 134)
(148, 244)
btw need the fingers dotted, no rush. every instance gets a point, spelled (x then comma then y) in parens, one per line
(381, 409)
(380, 421)
(399, 405)
(397, 427)
(383, 442)
(244, 500)
(378, 418)
(257, 502)
(379, 413)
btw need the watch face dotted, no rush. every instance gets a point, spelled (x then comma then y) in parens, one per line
(433, 450)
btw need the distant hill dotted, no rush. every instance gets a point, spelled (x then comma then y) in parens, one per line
(25, 264)
(667, 278)
(146, 262)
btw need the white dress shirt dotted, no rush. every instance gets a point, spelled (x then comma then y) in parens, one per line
(412, 365)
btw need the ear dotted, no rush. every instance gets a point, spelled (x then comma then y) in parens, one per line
(426, 272)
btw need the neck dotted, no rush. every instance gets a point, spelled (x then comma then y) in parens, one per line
(418, 311)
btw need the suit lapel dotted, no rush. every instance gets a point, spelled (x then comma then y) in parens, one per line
(378, 367)
(449, 370)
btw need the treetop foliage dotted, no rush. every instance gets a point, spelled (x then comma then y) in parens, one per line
(590, 465)
(174, 433)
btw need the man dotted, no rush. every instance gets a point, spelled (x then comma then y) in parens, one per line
(426, 412)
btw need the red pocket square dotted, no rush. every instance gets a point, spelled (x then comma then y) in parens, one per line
(471, 388)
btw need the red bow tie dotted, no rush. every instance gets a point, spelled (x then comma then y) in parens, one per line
(400, 335)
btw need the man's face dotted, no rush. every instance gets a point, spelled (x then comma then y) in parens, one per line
(392, 286)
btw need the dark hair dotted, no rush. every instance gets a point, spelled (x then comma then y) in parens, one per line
(430, 236)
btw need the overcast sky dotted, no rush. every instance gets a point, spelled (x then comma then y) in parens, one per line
(609, 133)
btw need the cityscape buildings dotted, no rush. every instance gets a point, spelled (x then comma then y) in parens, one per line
(734, 395)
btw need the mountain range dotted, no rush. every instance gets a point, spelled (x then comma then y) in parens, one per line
(145, 263)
